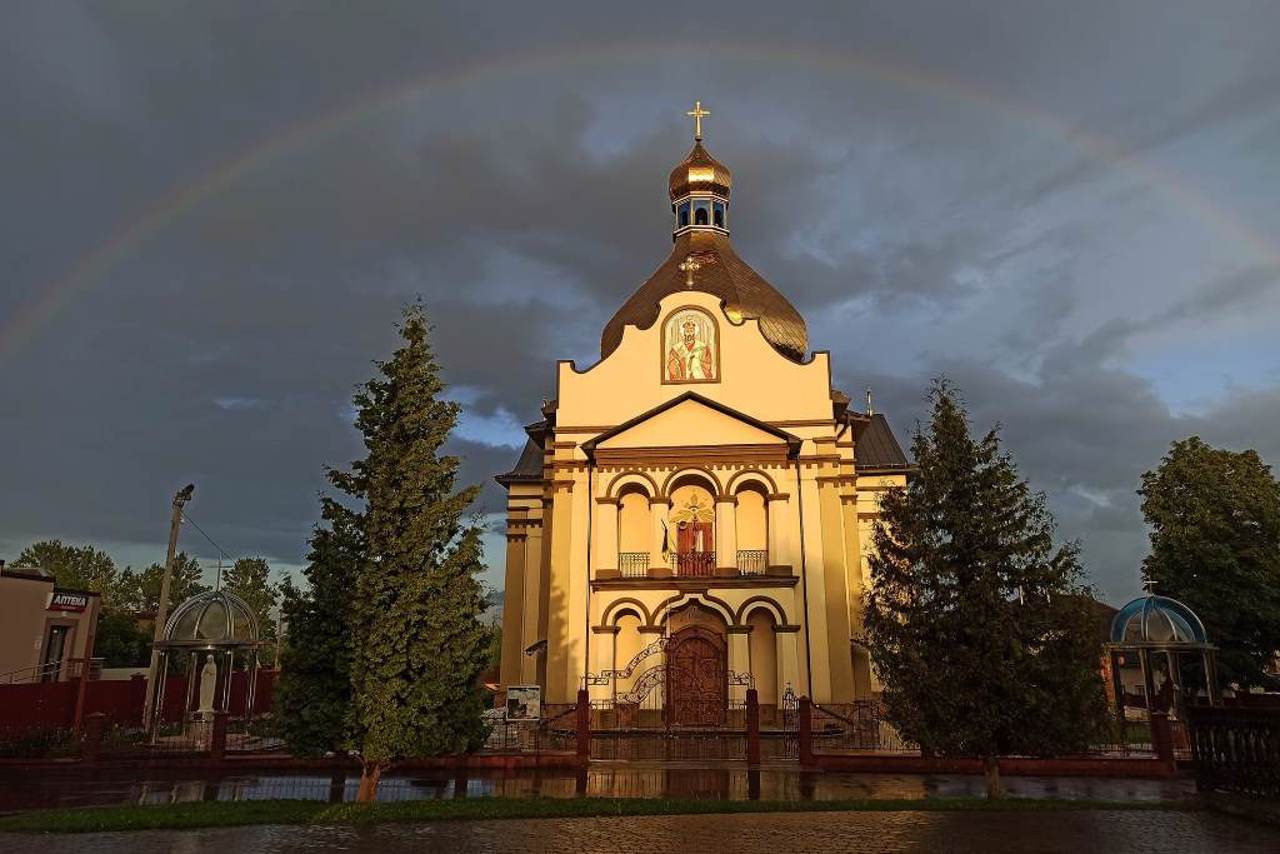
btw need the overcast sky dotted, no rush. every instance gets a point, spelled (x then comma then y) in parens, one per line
(213, 211)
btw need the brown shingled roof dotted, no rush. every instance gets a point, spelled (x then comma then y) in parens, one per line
(874, 445)
(528, 468)
(723, 274)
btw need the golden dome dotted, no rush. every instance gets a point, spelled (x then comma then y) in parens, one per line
(721, 272)
(700, 171)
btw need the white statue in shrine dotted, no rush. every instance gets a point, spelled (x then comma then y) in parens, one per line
(208, 682)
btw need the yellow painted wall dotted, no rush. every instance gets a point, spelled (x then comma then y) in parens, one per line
(820, 612)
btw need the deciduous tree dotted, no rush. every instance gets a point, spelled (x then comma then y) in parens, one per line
(978, 626)
(74, 567)
(250, 579)
(139, 592)
(1215, 546)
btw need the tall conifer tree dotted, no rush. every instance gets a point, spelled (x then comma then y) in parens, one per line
(418, 645)
(313, 696)
(978, 627)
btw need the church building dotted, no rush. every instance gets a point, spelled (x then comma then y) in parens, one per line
(693, 512)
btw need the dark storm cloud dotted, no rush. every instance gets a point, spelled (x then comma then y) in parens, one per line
(938, 187)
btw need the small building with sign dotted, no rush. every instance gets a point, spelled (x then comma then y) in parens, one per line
(45, 630)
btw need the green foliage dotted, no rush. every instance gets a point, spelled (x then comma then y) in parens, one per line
(139, 592)
(979, 628)
(313, 697)
(419, 647)
(120, 641)
(493, 655)
(249, 578)
(73, 567)
(1215, 545)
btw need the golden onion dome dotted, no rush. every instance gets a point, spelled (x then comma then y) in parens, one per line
(700, 172)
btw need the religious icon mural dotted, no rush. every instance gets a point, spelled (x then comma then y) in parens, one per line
(689, 347)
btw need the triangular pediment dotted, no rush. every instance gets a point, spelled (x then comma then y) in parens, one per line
(693, 421)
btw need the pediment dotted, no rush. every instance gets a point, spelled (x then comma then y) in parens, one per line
(693, 421)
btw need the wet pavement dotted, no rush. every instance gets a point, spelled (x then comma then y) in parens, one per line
(624, 780)
(1088, 831)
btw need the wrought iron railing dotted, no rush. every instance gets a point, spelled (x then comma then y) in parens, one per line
(695, 563)
(1236, 749)
(753, 561)
(53, 671)
(633, 564)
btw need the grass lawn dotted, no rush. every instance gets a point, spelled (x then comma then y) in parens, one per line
(231, 813)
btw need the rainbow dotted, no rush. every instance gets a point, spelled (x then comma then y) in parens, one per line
(56, 295)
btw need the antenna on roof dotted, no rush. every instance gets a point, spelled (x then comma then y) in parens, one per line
(870, 411)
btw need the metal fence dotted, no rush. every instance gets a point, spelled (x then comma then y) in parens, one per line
(1236, 749)
(856, 728)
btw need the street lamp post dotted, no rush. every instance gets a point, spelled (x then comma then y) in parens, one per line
(155, 693)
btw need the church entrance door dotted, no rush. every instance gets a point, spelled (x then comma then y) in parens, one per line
(697, 687)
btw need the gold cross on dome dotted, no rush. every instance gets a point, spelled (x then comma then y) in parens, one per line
(697, 114)
(689, 266)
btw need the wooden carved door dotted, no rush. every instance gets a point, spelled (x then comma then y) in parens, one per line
(696, 678)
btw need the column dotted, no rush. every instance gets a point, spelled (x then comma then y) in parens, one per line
(726, 535)
(788, 661)
(535, 591)
(779, 541)
(739, 658)
(605, 534)
(604, 641)
(513, 606)
(658, 565)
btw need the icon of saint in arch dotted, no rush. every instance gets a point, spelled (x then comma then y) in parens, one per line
(690, 347)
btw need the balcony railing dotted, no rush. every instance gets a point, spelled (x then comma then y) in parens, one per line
(753, 561)
(633, 564)
(694, 563)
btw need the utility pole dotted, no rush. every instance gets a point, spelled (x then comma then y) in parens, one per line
(155, 693)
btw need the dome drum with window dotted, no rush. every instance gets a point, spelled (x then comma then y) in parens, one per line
(699, 188)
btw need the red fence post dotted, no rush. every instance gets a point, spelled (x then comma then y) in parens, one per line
(1161, 736)
(82, 686)
(218, 738)
(806, 731)
(753, 727)
(94, 726)
(584, 724)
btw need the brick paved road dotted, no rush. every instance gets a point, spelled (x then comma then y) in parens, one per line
(1088, 832)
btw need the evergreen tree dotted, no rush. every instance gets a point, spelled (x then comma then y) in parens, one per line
(1215, 545)
(313, 697)
(978, 627)
(418, 645)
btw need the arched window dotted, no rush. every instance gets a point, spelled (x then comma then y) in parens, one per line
(700, 216)
(684, 215)
(634, 534)
(718, 215)
(751, 519)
